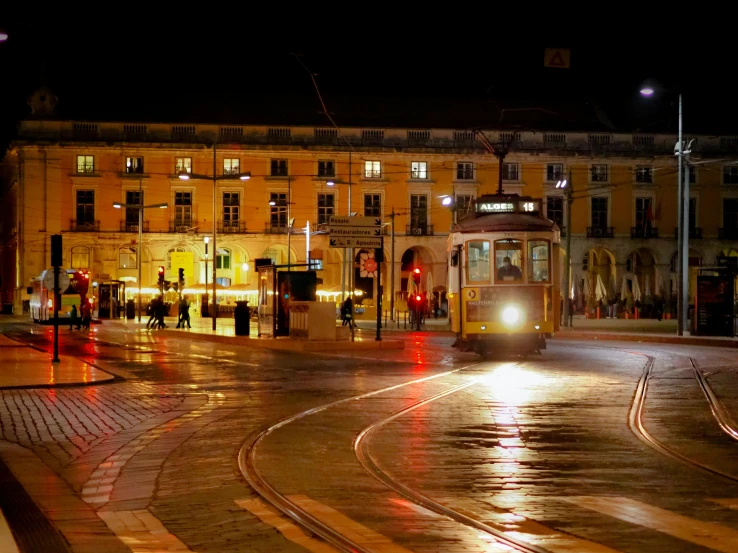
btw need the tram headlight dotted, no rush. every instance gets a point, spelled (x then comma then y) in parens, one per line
(510, 315)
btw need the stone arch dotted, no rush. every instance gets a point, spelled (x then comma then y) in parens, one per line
(415, 256)
(597, 264)
(641, 264)
(80, 257)
(278, 254)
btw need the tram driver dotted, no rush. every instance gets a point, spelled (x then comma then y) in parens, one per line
(508, 271)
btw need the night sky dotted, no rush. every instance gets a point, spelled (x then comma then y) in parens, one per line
(153, 71)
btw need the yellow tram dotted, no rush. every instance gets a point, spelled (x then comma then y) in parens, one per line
(503, 276)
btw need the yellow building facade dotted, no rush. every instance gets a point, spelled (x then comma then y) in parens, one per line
(64, 177)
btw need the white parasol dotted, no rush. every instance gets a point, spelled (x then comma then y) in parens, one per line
(611, 286)
(600, 291)
(587, 288)
(636, 289)
(624, 290)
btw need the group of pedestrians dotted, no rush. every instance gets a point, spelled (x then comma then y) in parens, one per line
(158, 309)
(81, 318)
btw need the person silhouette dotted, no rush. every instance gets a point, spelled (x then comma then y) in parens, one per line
(508, 271)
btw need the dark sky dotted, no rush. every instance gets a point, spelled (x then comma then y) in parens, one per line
(120, 68)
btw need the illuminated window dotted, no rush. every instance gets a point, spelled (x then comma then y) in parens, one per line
(134, 165)
(372, 169)
(231, 166)
(223, 259)
(419, 170)
(538, 261)
(509, 261)
(80, 257)
(182, 164)
(85, 164)
(477, 261)
(127, 258)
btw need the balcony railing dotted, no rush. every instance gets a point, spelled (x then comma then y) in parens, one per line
(695, 233)
(133, 227)
(729, 233)
(232, 227)
(419, 230)
(641, 232)
(275, 229)
(600, 232)
(84, 226)
(179, 225)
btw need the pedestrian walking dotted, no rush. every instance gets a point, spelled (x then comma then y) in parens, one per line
(347, 313)
(184, 313)
(86, 311)
(73, 318)
(161, 311)
(151, 309)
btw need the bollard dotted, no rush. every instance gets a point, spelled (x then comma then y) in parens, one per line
(598, 312)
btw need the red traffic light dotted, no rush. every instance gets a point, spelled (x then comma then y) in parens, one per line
(418, 298)
(416, 271)
(161, 270)
(87, 276)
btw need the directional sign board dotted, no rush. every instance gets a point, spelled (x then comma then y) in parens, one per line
(355, 231)
(356, 242)
(48, 279)
(337, 221)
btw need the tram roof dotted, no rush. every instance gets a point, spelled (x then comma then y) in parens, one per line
(501, 222)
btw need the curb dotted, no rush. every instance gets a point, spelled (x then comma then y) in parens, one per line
(653, 338)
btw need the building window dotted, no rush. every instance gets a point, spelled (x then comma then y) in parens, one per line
(730, 213)
(463, 203)
(418, 213)
(555, 210)
(133, 197)
(730, 175)
(554, 173)
(643, 215)
(231, 166)
(223, 259)
(372, 169)
(80, 257)
(279, 168)
(372, 205)
(135, 165)
(510, 172)
(182, 164)
(85, 164)
(127, 257)
(325, 208)
(231, 205)
(326, 168)
(599, 173)
(85, 207)
(169, 256)
(465, 170)
(183, 209)
(643, 174)
(599, 213)
(419, 170)
(278, 209)
(692, 174)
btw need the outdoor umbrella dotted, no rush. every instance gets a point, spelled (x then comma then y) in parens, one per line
(636, 289)
(624, 290)
(600, 291)
(587, 288)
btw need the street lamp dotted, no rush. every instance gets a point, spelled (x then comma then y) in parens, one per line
(648, 91)
(184, 175)
(3, 36)
(205, 310)
(139, 256)
(565, 185)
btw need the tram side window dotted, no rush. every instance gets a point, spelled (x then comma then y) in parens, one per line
(477, 253)
(509, 260)
(538, 261)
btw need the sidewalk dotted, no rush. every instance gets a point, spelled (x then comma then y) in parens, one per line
(26, 367)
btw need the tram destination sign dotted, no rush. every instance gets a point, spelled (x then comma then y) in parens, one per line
(527, 206)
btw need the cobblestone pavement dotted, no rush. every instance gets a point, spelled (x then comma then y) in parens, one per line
(539, 448)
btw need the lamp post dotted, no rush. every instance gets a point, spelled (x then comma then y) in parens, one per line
(184, 175)
(648, 90)
(205, 311)
(139, 256)
(566, 186)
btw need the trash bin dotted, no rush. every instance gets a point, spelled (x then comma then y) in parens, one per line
(242, 318)
(130, 310)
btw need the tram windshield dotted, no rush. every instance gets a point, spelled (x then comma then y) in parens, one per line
(538, 261)
(477, 269)
(509, 260)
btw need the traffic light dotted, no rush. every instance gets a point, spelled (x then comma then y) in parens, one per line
(416, 275)
(161, 275)
(180, 271)
(418, 298)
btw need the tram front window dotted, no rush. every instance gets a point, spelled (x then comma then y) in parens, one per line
(508, 260)
(538, 256)
(477, 269)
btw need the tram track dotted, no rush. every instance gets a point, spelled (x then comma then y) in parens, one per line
(248, 465)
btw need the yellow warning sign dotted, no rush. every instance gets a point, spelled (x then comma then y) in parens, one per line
(557, 57)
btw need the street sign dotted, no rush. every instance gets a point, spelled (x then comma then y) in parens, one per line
(337, 221)
(354, 231)
(48, 279)
(356, 242)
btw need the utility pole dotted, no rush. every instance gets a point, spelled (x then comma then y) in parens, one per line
(680, 229)
(215, 247)
(392, 267)
(351, 260)
(139, 252)
(567, 255)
